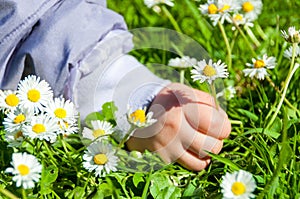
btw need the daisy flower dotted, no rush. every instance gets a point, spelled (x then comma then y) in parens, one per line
(99, 128)
(219, 10)
(292, 36)
(259, 67)
(42, 127)
(209, 8)
(210, 71)
(152, 3)
(34, 93)
(14, 138)
(100, 158)
(228, 93)
(289, 52)
(16, 119)
(67, 129)
(62, 110)
(241, 19)
(8, 100)
(140, 118)
(251, 8)
(183, 62)
(238, 185)
(26, 170)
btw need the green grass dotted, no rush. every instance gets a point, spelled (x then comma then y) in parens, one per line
(271, 154)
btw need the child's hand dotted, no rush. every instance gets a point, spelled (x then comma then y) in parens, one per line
(188, 125)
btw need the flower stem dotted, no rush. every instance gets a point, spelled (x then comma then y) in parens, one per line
(261, 32)
(24, 195)
(127, 135)
(229, 58)
(293, 68)
(147, 185)
(214, 94)
(63, 142)
(171, 18)
(245, 38)
(52, 159)
(182, 76)
(279, 92)
(7, 193)
(252, 36)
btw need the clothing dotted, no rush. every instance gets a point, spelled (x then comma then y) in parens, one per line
(80, 48)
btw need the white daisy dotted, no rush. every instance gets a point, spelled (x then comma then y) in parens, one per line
(67, 129)
(238, 185)
(251, 8)
(99, 128)
(183, 62)
(140, 118)
(62, 110)
(209, 8)
(100, 158)
(151, 3)
(228, 93)
(259, 67)
(16, 119)
(240, 19)
(26, 169)
(42, 127)
(209, 71)
(292, 36)
(34, 93)
(14, 138)
(288, 53)
(219, 10)
(8, 100)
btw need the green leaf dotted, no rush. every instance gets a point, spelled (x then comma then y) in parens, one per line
(78, 192)
(226, 161)
(169, 192)
(108, 111)
(137, 178)
(248, 114)
(189, 190)
(268, 132)
(49, 175)
(158, 183)
(105, 189)
(92, 116)
(107, 114)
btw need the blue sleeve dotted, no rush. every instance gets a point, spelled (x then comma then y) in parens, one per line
(79, 47)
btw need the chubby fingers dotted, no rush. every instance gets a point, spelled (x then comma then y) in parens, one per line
(208, 120)
(199, 143)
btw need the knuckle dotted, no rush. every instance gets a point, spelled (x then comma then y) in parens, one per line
(217, 147)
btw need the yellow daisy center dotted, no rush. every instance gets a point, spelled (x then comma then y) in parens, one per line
(225, 7)
(23, 169)
(247, 6)
(19, 119)
(238, 188)
(98, 132)
(209, 71)
(60, 113)
(38, 128)
(259, 64)
(100, 159)
(212, 9)
(33, 95)
(18, 135)
(12, 100)
(138, 116)
(238, 17)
